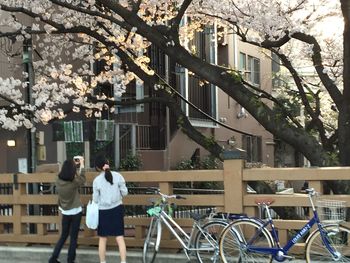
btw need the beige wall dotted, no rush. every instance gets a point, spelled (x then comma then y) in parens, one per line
(228, 108)
(153, 160)
(182, 148)
(11, 68)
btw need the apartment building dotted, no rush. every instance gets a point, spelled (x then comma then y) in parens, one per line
(256, 68)
(150, 130)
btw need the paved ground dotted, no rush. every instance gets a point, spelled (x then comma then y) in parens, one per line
(15, 254)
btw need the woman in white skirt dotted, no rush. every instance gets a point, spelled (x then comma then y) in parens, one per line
(108, 190)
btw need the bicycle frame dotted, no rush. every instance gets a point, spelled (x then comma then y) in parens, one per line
(186, 240)
(280, 253)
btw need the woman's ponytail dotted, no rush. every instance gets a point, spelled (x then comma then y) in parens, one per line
(103, 164)
(108, 176)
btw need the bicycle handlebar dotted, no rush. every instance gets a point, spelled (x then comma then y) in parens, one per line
(165, 196)
(311, 192)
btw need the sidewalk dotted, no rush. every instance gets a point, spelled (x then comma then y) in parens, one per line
(37, 254)
(17, 254)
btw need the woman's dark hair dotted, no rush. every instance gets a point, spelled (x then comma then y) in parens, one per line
(100, 161)
(68, 170)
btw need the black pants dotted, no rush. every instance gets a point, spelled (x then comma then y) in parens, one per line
(70, 227)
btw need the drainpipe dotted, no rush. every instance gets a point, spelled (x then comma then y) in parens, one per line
(28, 67)
(33, 188)
(116, 145)
(166, 157)
(133, 139)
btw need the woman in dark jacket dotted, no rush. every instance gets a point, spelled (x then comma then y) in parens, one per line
(70, 179)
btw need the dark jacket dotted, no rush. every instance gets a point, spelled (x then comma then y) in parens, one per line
(68, 191)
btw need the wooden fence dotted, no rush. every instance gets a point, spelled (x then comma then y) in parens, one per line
(33, 218)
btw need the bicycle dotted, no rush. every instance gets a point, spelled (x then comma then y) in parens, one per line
(254, 240)
(202, 240)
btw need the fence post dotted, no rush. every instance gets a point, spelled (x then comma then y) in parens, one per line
(233, 183)
(19, 210)
(166, 188)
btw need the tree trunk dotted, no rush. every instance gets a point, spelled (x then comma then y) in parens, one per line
(344, 110)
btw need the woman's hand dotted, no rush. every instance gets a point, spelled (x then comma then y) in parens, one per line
(79, 161)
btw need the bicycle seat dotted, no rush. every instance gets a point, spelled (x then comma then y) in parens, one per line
(266, 201)
(231, 216)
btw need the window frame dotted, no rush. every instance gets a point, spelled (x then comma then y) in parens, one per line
(253, 146)
(250, 68)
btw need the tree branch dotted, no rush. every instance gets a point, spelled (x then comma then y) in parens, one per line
(298, 82)
(328, 83)
(264, 94)
(175, 22)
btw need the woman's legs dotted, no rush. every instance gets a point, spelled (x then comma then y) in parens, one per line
(122, 248)
(102, 248)
(74, 232)
(64, 234)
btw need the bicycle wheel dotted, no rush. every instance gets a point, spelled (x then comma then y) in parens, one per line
(338, 238)
(238, 236)
(207, 242)
(152, 241)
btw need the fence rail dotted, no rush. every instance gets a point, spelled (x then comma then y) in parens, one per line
(18, 225)
(33, 218)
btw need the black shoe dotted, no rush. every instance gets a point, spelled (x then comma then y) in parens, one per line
(54, 260)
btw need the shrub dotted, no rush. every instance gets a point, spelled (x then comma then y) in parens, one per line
(130, 163)
(184, 165)
(209, 163)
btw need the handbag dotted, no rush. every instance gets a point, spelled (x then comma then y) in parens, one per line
(91, 219)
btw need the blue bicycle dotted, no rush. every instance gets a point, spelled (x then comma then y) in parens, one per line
(254, 240)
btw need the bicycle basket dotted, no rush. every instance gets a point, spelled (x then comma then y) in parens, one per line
(331, 211)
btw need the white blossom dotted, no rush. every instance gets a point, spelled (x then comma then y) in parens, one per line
(64, 75)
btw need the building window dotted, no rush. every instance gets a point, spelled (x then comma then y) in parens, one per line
(73, 131)
(134, 91)
(104, 130)
(249, 66)
(253, 146)
(198, 92)
(276, 68)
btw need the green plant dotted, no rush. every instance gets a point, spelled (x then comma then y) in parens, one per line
(184, 165)
(333, 159)
(130, 163)
(209, 163)
(74, 148)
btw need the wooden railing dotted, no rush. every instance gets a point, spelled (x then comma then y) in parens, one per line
(20, 226)
(16, 226)
(316, 178)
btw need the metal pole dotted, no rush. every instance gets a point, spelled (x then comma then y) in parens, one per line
(116, 145)
(28, 65)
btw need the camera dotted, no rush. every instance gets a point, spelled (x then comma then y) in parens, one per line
(79, 161)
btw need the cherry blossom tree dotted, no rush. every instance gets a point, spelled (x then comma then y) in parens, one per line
(67, 33)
